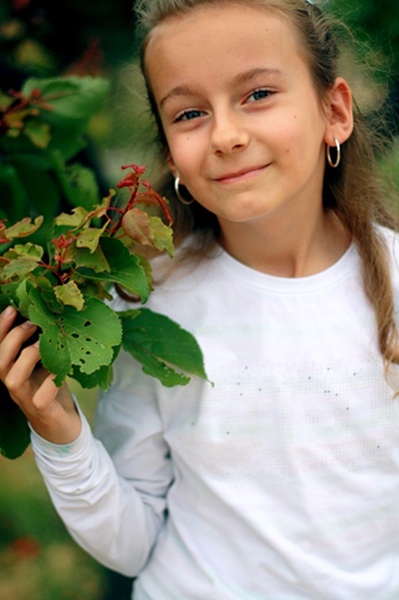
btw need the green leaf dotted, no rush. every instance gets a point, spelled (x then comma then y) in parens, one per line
(73, 100)
(89, 238)
(38, 133)
(54, 350)
(36, 174)
(21, 266)
(101, 378)
(161, 346)
(75, 219)
(36, 160)
(23, 259)
(23, 228)
(93, 334)
(7, 294)
(76, 338)
(21, 297)
(80, 186)
(73, 97)
(67, 141)
(70, 295)
(13, 196)
(126, 269)
(27, 250)
(5, 101)
(163, 236)
(92, 260)
(94, 288)
(14, 429)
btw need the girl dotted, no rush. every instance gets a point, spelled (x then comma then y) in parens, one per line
(280, 481)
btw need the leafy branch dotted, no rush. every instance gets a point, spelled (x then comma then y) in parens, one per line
(60, 273)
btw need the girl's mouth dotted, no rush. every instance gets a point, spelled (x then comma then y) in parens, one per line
(239, 176)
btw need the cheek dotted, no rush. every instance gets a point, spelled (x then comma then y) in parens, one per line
(299, 139)
(186, 155)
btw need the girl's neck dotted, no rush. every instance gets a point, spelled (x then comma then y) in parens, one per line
(296, 250)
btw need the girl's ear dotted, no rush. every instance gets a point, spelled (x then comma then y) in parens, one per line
(172, 166)
(339, 112)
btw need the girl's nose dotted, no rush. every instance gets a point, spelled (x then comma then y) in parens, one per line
(228, 133)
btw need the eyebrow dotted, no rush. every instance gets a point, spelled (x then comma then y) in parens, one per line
(186, 90)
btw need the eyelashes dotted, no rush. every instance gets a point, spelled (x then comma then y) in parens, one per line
(259, 94)
(189, 115)
(194, 113)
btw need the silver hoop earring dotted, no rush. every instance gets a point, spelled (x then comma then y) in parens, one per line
(178, 194)
(334, 164)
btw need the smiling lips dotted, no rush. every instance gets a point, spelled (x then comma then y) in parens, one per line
(240, 175)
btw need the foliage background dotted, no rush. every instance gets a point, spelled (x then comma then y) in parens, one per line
(44, 38)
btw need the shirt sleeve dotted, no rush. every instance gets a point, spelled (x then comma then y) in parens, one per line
(110, 490)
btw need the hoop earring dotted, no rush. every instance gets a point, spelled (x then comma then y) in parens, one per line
(333, 164)
(178, 194)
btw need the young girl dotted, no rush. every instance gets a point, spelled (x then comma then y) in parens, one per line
(280, 481)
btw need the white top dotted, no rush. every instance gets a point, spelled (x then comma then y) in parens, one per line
(281, 481)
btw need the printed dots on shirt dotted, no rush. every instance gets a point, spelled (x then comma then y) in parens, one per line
(313, 415)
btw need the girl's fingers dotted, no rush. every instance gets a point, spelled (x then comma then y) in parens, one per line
(18, 378)
(53, 414)
(11, 342)
(46, 394)
(50, 410)
(7, 317)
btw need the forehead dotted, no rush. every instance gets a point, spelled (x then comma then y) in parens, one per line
(217, 40)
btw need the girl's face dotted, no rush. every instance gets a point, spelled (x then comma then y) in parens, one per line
(245, 129)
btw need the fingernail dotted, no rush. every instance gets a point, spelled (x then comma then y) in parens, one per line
(7, 312)
(26, 324)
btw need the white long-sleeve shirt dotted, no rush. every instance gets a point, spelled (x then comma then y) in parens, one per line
(280, 481)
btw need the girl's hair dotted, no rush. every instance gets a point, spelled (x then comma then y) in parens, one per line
(353, 191)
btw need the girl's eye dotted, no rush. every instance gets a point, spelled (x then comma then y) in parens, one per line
(260, 94)
(188, 115)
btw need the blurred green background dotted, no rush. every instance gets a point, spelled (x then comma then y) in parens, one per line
(46, 38)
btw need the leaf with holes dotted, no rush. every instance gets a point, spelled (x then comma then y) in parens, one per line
(94, 334)
(76, 340)
(101, 378)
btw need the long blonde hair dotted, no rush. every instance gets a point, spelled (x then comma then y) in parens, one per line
(354, 190)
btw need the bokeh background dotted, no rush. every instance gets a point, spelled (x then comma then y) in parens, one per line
(47, 38)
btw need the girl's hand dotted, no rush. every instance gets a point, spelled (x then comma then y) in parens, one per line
(50, 410)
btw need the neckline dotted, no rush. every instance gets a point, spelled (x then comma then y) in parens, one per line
(346, 264)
